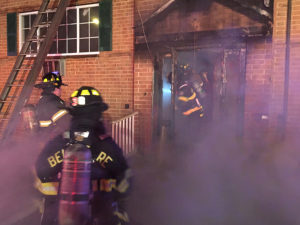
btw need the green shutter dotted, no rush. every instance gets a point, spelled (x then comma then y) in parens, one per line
(105, 27)
(11, 34)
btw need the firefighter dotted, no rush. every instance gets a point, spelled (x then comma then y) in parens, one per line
(188, 105)
(51, 111)
(187, 100)
(53, 120)
(110, 176)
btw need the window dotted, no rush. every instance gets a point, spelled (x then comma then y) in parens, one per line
(78, 33)
(53, 64)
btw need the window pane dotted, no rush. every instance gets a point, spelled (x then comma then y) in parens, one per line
(84, 30)
(32, 19)
(94, 13)
(72, 31)
(71, 16)
(62, 46)
(94, 30)
(44, 18)
(33, 47)
(53, 48)
(84, 15)
(50, 16)
(72, 46)
(25, 34)
(84, 45)
(25, 21)
(43, 31)
(94, 44)
(62, 32)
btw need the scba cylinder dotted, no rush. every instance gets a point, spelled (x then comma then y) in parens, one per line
(29, 118)
(74, 208)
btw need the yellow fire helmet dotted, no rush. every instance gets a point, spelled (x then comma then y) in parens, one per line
(86, 96)
(52, 79)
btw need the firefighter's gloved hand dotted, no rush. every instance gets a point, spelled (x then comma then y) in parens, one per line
(120, 216)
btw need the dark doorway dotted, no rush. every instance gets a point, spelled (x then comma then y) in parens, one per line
(223, 100)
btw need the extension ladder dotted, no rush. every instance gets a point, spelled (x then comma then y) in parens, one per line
(24, 73)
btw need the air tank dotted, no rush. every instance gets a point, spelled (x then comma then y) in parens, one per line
(74, 193)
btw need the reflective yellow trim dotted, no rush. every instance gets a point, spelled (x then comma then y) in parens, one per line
(85, 92)
(45, 123)
(186, 99)
(74, 93)
(190, 111)
(94, 92)
(50, 188)
(122, 216)
(45, 80)
(124, 184)
(105, 185)
(59, 114)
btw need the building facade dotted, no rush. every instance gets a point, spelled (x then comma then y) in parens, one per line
(149, 36)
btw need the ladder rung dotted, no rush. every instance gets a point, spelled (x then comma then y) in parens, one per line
(35, 39)
(10, 97)
(22, 69)
(7, 101)
(19, 80)
(15, 85)
(28, 53)
(43, 24)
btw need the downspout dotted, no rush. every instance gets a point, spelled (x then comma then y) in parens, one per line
(287, 69)
(133, 58)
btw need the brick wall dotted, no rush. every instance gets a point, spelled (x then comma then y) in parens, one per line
(278, 76)
(111, 72)
(143, 80)
(258, 86)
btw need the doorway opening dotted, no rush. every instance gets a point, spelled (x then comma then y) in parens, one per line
(221, 75)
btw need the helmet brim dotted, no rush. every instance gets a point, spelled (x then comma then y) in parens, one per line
(43, 85)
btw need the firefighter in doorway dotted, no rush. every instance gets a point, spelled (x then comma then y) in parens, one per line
(53, 120)
(110, 173)
(189, 107)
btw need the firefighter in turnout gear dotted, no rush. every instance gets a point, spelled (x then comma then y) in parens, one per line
(110, 173)
(51, 108)
(190, 111)
(53, 119)
(188, 102)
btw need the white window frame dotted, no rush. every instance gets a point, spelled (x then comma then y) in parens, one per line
(22, 38)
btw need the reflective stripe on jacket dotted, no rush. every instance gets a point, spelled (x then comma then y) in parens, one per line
(188, 102)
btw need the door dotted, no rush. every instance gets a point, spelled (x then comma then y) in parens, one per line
(229, 91)
(225, 94)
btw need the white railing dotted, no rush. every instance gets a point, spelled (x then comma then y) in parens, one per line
(123, 133)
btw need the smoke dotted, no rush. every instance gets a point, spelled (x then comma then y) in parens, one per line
(19, 200)
(218, 181)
